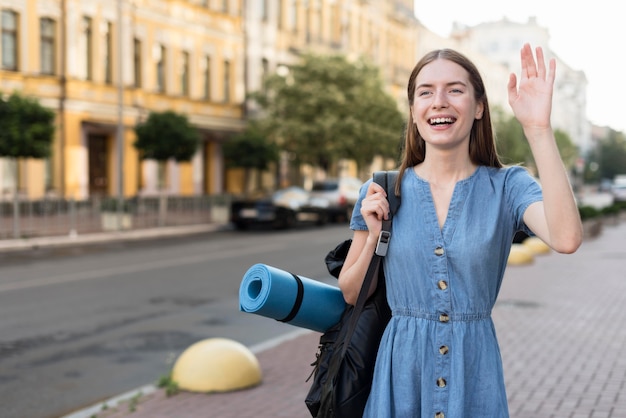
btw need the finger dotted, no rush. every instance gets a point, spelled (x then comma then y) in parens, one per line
(540, 63)
(375, 188)
(512, 87)
(529, 68)
(552, 72)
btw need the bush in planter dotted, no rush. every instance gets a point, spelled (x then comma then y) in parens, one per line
(110, 217)
(588, 212)
(610, 210)
(592, 221)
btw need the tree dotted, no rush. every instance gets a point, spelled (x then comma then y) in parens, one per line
(608, 157)
(511, 143)
(249, 150)
(166, 135)
(326, 109)
(27, 128)
(27, 132)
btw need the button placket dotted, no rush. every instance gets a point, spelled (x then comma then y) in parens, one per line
(444, 328)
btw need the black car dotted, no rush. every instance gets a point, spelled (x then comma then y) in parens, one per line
(283, 209)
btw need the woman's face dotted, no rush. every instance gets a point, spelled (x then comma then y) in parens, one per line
(444, 108)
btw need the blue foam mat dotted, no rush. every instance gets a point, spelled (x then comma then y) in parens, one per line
(271, 292)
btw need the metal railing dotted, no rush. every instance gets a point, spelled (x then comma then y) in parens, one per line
(55, 217)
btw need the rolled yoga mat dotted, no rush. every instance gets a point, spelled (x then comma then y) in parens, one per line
(286, 297)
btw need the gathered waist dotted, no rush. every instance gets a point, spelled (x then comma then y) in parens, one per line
(436, 316)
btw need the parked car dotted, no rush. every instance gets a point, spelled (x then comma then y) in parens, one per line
(618, 190)
(285, 208)
(341, 194)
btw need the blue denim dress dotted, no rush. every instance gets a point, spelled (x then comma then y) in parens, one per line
(439, 356)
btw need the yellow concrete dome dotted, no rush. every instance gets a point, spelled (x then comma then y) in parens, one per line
(216, 365)
(536, 245)
(520, 254)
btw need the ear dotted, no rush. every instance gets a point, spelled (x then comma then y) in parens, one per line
(412, 115)
(480, 108)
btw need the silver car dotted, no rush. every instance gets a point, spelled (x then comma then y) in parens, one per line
(341, 195)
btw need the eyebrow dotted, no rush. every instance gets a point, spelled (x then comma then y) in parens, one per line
(452, 83)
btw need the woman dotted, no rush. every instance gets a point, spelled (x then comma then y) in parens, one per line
(451, 237)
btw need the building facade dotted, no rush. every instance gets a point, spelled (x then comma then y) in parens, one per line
(103, 66)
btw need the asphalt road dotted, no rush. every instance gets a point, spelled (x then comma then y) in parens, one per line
(82, 324)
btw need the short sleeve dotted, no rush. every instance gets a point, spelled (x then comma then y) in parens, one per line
(357, 223)
(521, 190)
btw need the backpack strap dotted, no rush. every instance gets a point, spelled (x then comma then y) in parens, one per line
(388, 180)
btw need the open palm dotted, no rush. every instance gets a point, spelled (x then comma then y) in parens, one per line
(531, 101)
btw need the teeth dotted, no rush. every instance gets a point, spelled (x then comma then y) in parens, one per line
(441, 120)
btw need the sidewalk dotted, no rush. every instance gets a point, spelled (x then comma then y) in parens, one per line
(560, 323)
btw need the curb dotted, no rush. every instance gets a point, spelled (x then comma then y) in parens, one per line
(131, 235)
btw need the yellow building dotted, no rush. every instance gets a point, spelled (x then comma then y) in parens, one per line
(180, 55)
(195, 57)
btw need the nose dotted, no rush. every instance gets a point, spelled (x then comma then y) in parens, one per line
(440, 99)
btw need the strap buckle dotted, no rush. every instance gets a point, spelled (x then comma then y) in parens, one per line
(383, 243)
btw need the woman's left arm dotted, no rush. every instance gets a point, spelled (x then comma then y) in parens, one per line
(556, 219)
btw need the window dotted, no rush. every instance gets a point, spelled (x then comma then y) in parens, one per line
(160, 69)
(47, 44)
(184, 74)
(207, 78)
(9, 40)
(137, 62)
(108, 53)
(86, 48)
(226, 81)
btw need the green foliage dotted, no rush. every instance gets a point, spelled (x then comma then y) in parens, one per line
(327, 108)
(610, 210)
(608, 157)
(27, 128)
(171, 387)
(166, 135)
(511, 143)
(569, 152)
(250, 149)
(588, 212)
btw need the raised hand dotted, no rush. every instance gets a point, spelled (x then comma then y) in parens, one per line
(531, 101)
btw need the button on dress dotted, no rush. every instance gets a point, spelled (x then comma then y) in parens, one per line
(439, 356)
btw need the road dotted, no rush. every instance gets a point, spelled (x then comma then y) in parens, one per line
(82, 324)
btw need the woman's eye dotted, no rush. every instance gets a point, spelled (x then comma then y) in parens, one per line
(424, 93)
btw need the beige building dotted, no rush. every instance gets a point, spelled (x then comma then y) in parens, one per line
(180, 55)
